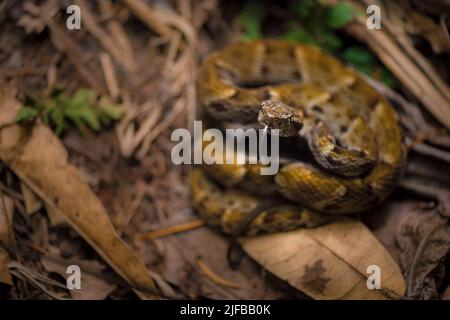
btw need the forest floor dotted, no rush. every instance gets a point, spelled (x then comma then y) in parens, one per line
(136, 65)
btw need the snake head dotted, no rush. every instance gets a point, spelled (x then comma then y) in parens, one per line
(277, 115)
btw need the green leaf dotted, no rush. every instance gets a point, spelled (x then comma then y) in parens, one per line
(330, 41)
(250, 18)
(83, 97)
(26, 114)
(366, 69)
(298, 34)
(340, 14)
(58, 118)
(82, 109)
(304, 8)
(74, 115)
(109, 111)
(358, 55)
(388, 78)
(90, 117)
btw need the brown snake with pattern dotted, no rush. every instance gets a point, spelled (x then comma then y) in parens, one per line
(351, 132)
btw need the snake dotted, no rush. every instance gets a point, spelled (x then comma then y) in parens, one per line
(343, 140)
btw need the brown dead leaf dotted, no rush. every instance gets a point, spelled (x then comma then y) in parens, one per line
(6, 209)
(54, 289)
(40, 236)
(39, 159)
(446, 294)
(329, 262)
(32, 202)
(419, 24)
(424, 240)
(93, 285)
(5, 276)
(314, 278)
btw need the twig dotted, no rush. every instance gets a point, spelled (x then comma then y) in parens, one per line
(115, 28)
(146, 15)
(129, 139)
(76, 56)
(167, 121)
(214, 276)
(432, 152)
(164, 232)
(103, 38)
(428, 192)
(110, 75)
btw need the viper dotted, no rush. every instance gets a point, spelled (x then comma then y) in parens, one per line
(343, 149)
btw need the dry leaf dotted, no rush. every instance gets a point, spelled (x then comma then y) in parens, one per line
(424, 238)
(39, 159)
(40, 236)
(93, 286)
(31, 25)
(32, 202)
(54, 216)
(50, 287)
(5, 276)
(328, 262)
(6, 210)
(419, 24)
(446, 294)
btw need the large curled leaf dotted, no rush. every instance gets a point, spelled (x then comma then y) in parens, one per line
(328, 262)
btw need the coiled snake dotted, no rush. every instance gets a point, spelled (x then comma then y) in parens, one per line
(350, 131)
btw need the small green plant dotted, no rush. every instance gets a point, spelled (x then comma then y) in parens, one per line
(250, 18)
(317, 22)
(84, 109)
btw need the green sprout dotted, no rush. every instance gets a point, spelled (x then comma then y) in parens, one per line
(84, 109)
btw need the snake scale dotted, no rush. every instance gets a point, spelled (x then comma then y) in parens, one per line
(351, 133)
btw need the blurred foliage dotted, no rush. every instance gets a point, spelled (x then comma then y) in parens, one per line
(250, 18)
(84, 109)
(317, 22)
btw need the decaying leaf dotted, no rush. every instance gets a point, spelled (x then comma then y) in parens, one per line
(32, 202)
(329, 262)
(446, 294)
(419, 24)
(424, 238)
(39, 159)
(6, 209)
(93, 285)
(50, 287)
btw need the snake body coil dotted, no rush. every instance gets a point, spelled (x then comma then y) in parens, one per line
(351, 131)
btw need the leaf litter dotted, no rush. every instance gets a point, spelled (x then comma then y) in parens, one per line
(151, 78)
